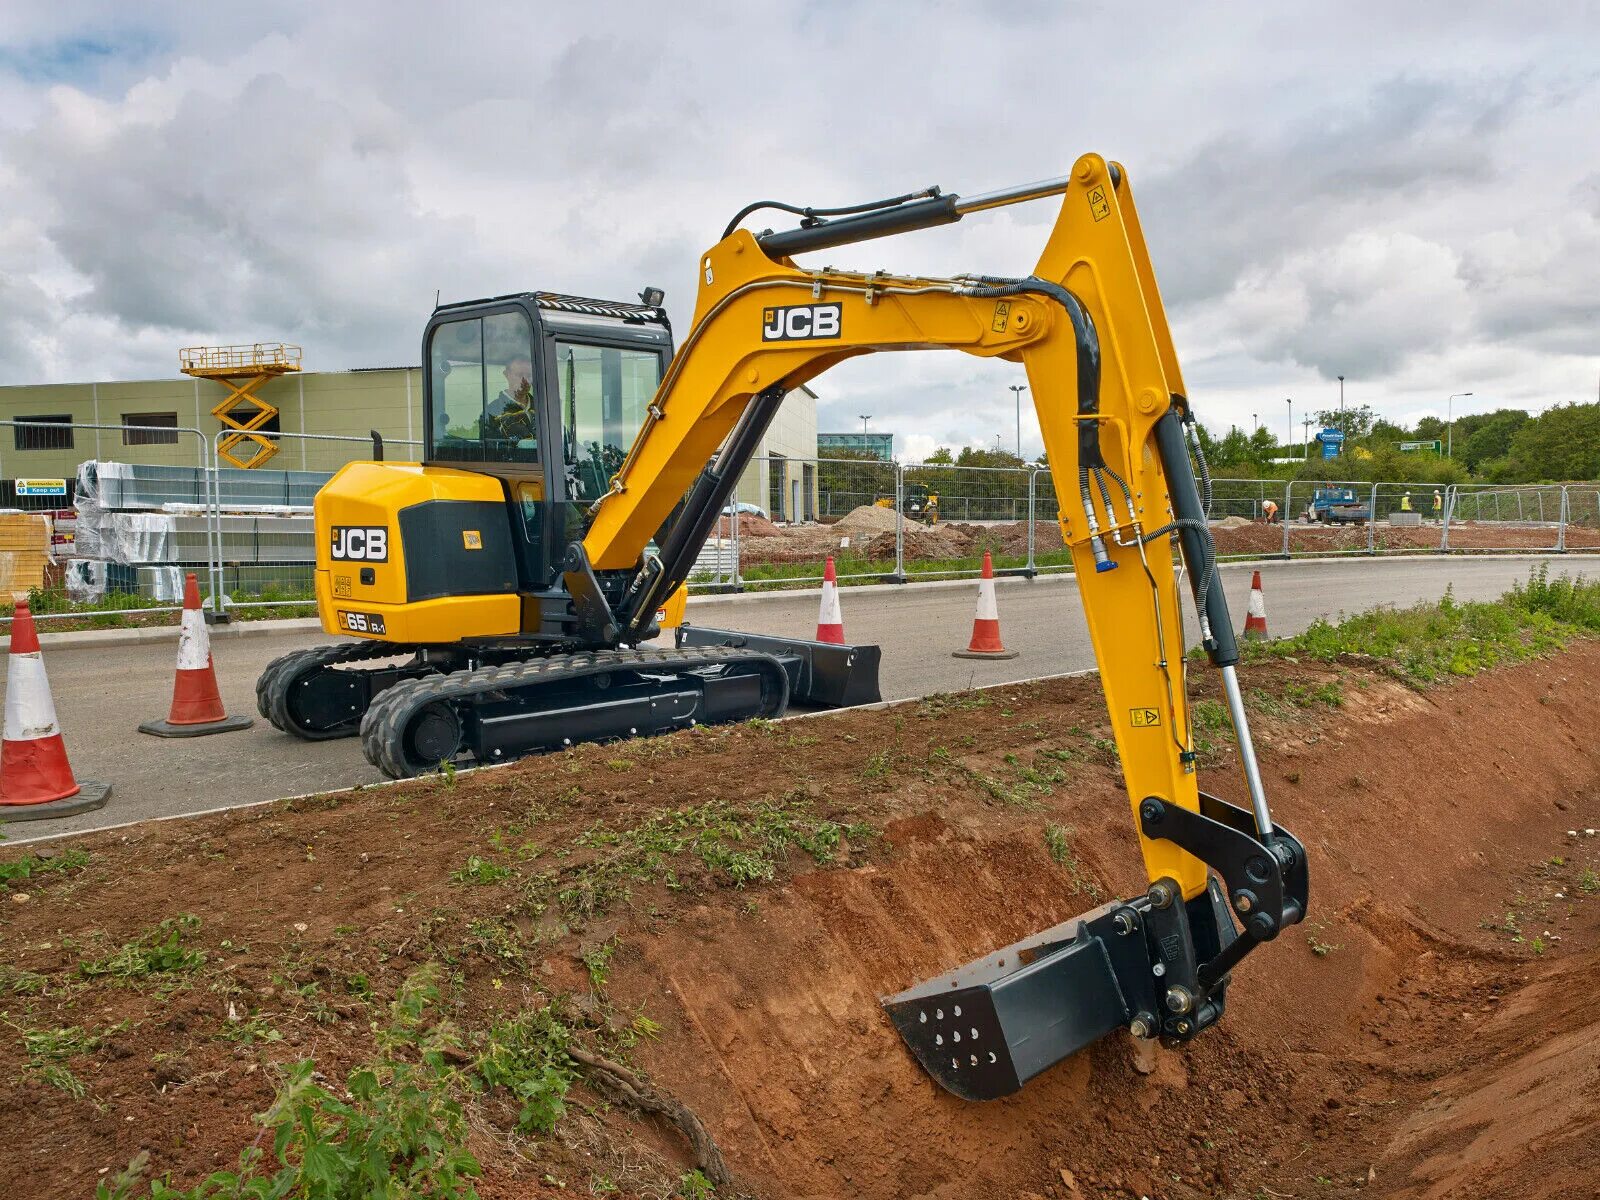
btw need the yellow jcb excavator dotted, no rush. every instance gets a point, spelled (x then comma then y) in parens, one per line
(555, 519)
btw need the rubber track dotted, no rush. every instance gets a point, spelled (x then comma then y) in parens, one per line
(384, 725)
(272, 685)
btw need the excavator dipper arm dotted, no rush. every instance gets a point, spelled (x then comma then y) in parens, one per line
(1089, 329)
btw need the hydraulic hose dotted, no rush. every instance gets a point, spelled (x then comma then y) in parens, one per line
(1194, 537)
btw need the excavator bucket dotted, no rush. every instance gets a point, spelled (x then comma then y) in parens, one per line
(985, 1029)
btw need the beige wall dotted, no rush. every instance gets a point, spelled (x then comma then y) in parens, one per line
(346, 403)
(793, 434)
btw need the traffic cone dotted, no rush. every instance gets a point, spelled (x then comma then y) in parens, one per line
(196, 703)
(985, 641)
(830, 621)
(35, 778)
(1255, 621)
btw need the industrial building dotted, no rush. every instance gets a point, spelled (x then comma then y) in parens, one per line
(332, 404)
(879, 445)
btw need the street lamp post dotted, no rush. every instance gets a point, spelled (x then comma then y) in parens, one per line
(1341, 414)
(865, 417)
(1289, 400)
(1449, 423)
(1305, 438)
(1016, 391)
(1255, 423)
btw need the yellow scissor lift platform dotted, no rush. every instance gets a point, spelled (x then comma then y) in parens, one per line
(242, 370)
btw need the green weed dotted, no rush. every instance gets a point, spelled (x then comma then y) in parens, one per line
(31, 866)
(596, 960)
(479, 870)
(161, 951)
(527, 1056)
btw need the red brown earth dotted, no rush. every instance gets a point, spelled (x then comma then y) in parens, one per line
(1407, 1042)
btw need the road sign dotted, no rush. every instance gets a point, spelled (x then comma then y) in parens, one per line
(41, 487)
(1436, 446)
(1332, 441)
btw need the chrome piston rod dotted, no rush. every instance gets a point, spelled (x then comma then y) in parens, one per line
(1247, 752)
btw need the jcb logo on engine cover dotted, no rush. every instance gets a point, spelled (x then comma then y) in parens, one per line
(366, 543)
(801, 322)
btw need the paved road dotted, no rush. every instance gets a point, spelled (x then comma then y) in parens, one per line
(103, 692)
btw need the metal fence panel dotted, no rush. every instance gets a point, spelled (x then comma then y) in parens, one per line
(1517, 517)
(1406, 518)
(120, 536)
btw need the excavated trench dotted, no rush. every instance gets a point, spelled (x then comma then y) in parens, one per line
(1430, 1032)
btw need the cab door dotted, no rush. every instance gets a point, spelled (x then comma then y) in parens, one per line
(486, 410)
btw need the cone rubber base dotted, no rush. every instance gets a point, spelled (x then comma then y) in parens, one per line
(165, 728)
(984, 653)
(90, 796)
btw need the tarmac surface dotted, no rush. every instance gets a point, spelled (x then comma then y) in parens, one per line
(104, 687)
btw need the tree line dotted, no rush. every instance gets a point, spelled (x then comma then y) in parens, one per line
(1507, 445)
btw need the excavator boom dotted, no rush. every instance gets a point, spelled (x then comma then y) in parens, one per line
(515, 568)
(1089, 328)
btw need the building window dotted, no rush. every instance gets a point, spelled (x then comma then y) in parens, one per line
(152, 429)
(29, 435)
(777, 475)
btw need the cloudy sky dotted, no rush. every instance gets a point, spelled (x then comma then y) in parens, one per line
(1408, 195)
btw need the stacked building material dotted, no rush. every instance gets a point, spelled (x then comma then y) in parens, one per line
(140, 528)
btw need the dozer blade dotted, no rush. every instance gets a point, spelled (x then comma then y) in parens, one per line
(985, 1029)
(822, 673)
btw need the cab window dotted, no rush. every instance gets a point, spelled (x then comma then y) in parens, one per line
(483, 403)
(604, 392)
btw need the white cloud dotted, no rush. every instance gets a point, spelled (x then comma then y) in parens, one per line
(1390, 194)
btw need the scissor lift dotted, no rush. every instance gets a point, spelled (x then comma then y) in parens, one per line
(242, 370)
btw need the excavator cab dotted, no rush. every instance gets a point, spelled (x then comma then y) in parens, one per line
(545, 393)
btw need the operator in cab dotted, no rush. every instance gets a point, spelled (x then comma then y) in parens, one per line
(511, 413)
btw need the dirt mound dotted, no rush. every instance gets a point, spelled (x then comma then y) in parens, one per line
(868, 518)
(750, 526)
(744, 895)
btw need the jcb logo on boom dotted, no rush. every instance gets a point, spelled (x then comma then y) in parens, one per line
(363, 543)
(800, 322)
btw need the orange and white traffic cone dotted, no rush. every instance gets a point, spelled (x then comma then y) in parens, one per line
(830, 621)
(196, 702)
(36, 780)
(1255, 621)
(985, 641)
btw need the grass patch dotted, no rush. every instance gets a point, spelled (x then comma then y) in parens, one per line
(32, 866)
(739, 844)
(1058, 841)
(161, 951)
(1428, 643)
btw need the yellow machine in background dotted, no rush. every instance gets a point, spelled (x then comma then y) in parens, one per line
(575, 466)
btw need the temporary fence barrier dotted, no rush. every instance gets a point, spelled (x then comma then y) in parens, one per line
(249, 534)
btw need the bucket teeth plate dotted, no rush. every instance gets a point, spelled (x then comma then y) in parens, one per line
(985, 1029)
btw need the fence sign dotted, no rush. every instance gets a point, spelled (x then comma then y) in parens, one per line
(41, 487)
